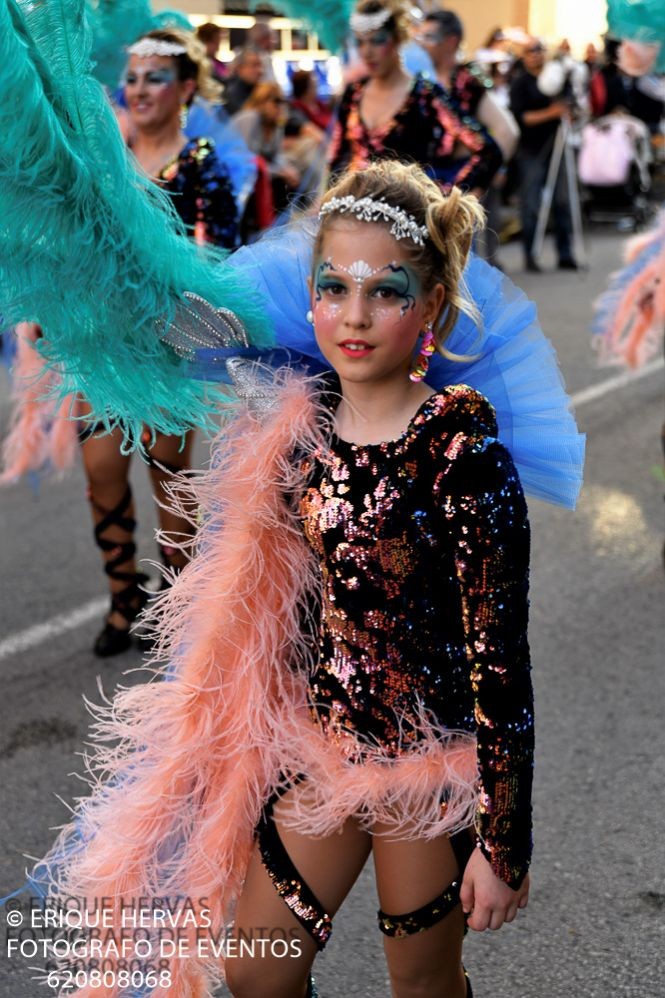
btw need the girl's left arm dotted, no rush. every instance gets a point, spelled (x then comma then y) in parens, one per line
(488, 524)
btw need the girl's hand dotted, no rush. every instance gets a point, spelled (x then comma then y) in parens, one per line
(490, 901)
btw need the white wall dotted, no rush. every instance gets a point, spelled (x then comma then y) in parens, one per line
(580, 21)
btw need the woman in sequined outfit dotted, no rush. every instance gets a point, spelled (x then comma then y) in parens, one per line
(390, 114)
(416, 516)
(166, 68)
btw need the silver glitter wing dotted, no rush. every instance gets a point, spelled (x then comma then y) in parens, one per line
(198, 325)
(254, 384)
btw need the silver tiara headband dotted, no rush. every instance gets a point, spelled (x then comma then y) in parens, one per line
(368, 210)
(155, 46)
(364, 24)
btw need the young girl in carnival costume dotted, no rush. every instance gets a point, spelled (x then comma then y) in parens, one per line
(417, 521)
(349, 667)
(347, 658)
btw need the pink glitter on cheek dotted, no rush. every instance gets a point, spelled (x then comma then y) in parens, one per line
(391, 317)
(327, 320)
(389, 321)
(327, 316)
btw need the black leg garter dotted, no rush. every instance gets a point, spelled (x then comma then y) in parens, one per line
(288, 883)
(422, 918)
(436, 910)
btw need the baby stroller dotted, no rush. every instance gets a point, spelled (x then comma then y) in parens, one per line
(613, 165)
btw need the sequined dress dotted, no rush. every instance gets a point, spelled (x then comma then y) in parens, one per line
(424, 548)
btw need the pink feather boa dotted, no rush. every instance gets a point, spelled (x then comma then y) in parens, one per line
(634, 333)
(184, 764)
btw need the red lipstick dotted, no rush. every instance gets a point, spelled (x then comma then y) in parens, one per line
(355, 348)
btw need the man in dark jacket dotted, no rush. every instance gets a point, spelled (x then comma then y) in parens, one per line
(539, 117)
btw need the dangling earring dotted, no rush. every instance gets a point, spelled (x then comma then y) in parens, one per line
(310, 317)
(184, 111)
(421, 363)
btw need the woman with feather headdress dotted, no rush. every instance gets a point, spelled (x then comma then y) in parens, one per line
(629, 323)
(166, 68)
(391, 115)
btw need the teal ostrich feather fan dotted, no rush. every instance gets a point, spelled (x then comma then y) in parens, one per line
(90, 248)
(640, 21)
(329, 18)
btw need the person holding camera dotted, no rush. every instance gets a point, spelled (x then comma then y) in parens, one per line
(539, 117)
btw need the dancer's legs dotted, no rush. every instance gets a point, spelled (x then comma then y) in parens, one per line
(107, 471)
(167, 457)
(410, 875)
(329, 867)
(110, 495)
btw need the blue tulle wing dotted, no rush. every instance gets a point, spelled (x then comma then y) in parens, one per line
(515, 365)
(519, 373)
(7, 344)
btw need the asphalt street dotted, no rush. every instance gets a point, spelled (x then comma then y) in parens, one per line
(595, 925)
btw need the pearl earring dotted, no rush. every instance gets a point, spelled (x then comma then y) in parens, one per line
(421, 363)
(310, 317)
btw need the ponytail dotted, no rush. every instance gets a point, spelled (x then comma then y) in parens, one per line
(452, 221)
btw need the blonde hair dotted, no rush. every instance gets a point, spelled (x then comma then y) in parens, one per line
(193, 64)
(451, 220)
(262, 93)
(399, 15)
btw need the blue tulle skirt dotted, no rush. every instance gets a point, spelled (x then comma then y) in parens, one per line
(514, 365)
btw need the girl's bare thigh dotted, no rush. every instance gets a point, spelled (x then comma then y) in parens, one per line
(329, 866)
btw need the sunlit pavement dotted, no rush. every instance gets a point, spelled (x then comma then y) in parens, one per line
(594, 927)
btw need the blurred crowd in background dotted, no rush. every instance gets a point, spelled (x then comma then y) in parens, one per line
(516, 88)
